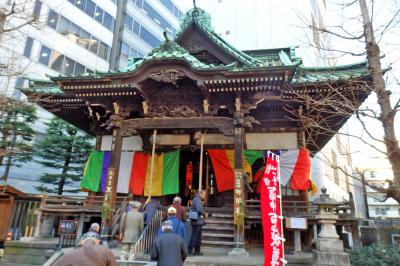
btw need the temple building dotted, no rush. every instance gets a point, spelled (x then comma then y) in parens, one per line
(196, 112)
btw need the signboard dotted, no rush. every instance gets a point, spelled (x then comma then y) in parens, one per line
(67, 227)
(296, 223)
(271, 212)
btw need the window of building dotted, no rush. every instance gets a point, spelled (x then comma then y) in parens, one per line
(99, 14)
(63, 25)
(94, 11)
(381, 211)
(28, 47)
(84, 39)
(68, 66)
(94, 45)
(136, 27)
(56, 61)
(52, 19)
(90, 8)
(44, 56)
(156, 17)
(74, 32)
(80, 4)
(128, 22)
(108, 21)
(103, 51)
(125, 50)
(37, 8)
(79, 69)
(346, 175)
(149, 37)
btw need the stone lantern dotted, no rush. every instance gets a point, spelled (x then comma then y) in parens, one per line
(329, 248)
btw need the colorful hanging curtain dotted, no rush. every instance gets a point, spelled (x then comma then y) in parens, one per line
(95, 174)
(223, 165)
(124, 174)
(271, 214)
(295, 165)
(165, 178)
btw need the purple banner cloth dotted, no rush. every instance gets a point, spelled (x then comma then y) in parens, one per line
(106, 163)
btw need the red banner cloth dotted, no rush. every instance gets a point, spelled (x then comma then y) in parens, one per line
(271, 213)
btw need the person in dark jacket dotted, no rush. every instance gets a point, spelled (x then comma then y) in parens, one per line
(150, 210)
(94, 230)
(169, 249)
(197, 224)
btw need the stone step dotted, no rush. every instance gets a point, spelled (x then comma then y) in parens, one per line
(219, 235)
(222, 215)
(218, 227)
(217, 243)
(219, 221)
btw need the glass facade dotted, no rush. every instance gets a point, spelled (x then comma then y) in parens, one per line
(78, 35)
(141, 31)
(94, 11)
(61, 63)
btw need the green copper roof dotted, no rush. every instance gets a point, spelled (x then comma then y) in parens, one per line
(171, 50)
(42, 86)
(334, 73)
(202, 19)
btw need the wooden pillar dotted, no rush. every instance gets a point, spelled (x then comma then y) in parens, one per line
(239, 204)
(108, 208)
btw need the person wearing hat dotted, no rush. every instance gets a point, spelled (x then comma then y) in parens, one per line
(178, 227)
(168, 249)
(91, 253)
(132, 224)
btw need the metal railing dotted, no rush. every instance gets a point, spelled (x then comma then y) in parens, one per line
(146, 241)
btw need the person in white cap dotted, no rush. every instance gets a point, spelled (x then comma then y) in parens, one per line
(178, 227)
(132, 224)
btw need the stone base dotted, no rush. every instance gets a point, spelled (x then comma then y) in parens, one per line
(329, 245)
(238, 252)
(331, 258)
(27, 253)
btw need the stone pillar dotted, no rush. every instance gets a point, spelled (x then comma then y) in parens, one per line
(329, 248)
(297, 241)
(239, 204)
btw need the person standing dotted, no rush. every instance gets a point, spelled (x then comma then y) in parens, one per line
(180, 210)
(197, 223)
(90, 254)
(150, 210)
(169, 249)
(132, 224)
(178, 227)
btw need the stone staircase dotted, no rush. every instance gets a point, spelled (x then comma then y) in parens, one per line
(219, 229)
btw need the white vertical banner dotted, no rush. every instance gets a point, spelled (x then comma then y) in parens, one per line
(124, 175)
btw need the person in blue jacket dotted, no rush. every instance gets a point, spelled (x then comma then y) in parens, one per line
(178, 227)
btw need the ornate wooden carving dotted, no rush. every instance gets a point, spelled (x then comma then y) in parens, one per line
(165, 111)
(167, 76)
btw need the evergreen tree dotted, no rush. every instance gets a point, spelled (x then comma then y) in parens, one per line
(16, 122)
(65, 149)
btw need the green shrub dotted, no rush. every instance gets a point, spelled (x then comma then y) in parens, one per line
(378, 254)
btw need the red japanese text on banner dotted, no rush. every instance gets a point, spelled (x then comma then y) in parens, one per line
(271, 212)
